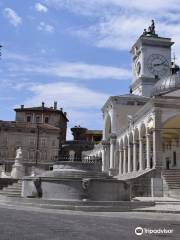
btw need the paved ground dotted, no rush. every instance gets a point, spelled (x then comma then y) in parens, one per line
(20, 223)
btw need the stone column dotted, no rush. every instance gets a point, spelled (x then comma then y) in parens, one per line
(148, 150)
(134, 156)
(105, 156)
(156, 180)
(124, 160)
(157, 149)
(120, 161)
(140, 154)
(129, 157)
(112, 155)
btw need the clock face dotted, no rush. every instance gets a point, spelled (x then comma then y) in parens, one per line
(158, 65)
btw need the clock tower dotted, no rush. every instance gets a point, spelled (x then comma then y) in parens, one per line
(151, 61)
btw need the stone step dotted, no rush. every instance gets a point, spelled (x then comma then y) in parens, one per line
(11, 190)
(172, 179)
(9, 194)
(79, 205)
(13, 187)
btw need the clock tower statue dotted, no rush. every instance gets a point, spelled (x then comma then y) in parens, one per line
(151, 61)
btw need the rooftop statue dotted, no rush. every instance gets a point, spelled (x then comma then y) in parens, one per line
(151, 30)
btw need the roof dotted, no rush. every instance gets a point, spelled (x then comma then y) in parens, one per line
(19, 125)
(129, 98)
(166, 85)
(133, 96)
(42, 109)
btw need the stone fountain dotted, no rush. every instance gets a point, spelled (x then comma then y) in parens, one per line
(77, 178)
(77, 181)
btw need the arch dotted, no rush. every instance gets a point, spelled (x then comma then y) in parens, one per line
(116, 162)
(166, 118)
(142, 131)
(108, 126)
(136, 134)
(170, 133)
(150, 125)
(172, 121)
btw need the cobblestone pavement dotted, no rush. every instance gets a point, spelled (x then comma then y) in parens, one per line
(22, 223)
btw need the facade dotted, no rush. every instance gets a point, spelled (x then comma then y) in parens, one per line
(141, 133)
(37, 130)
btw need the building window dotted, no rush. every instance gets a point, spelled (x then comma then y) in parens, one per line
(174, 158)
(31, 155)
(53, 143)
(38, 119)
(32, 141)
(28, 118)
(43, 156)
(3, 155)
(46, 120)
(43, 142)
(4, 139)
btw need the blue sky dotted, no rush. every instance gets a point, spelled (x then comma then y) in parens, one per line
(75, 52)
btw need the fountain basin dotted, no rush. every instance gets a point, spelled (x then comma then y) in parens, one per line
(73, 181)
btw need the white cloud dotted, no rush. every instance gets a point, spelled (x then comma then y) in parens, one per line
(93, 6)
(89, 71)
(41, 8)
(118, 23)
(81, 71)
(46, 27)
(15, 56)
(12, 16)
(81, 104)
(69, 94)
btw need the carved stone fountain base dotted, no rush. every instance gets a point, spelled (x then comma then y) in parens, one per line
(76, 181)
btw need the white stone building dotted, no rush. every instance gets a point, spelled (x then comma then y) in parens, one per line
(141, 133)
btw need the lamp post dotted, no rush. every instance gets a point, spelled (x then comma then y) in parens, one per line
(59, 147)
